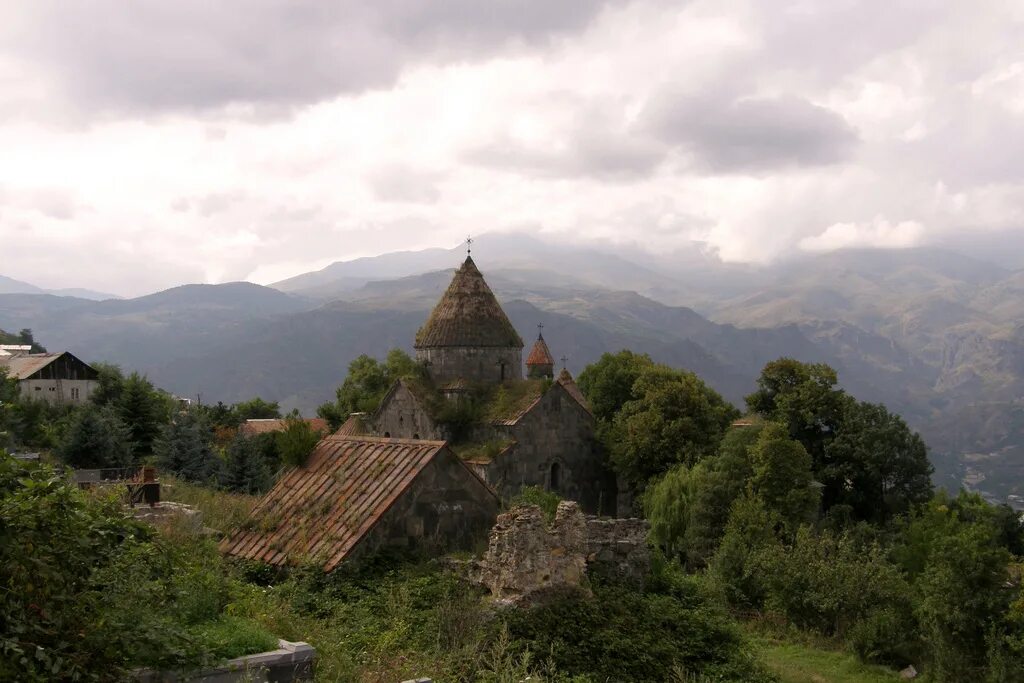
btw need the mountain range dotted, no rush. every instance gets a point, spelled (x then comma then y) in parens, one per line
(936, 335)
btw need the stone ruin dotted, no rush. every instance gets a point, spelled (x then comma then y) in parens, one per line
(528, 562)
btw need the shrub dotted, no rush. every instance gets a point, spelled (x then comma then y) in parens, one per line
(547, 501)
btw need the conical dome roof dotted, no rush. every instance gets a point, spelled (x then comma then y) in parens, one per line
(468, 315)
(540, 354)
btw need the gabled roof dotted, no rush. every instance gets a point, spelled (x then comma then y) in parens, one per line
(540, 354)
(25, 365)
(567, 382)
(265, 426)
(468, 315)
(355, 425)
(324, 508)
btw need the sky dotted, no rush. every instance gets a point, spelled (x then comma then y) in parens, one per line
(146, 144)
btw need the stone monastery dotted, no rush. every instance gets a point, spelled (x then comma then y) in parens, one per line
(432, 465)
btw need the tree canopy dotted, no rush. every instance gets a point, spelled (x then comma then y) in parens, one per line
(367, 381)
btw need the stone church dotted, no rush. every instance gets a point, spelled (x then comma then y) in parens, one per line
(514, 431)
(431, 467)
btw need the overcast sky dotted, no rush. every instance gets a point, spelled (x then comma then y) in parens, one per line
(147, 143)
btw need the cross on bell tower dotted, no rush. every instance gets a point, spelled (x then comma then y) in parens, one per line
(469, 244)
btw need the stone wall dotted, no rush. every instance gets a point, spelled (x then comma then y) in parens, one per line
(401, 417)
(446, 508)
(556, 449)
(528, 562)
(617, 548)
(473, 364)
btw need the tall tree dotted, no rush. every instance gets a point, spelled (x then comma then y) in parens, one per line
(672, 417)
(247, 464)
(255, 409)
(185, 448)
(608, 383)
(144, 410)
(782, 477)
(876, 464)
(96, 437)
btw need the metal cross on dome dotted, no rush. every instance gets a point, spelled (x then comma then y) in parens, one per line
(469, 244)
(564, 359)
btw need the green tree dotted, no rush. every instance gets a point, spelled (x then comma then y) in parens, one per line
(803, 397)
(255, 409)
(875, 464)
(668, 506)
(185, 448)
(109, 384)
(718, 482)
(296, 441)
(672, 418)
(782, 477)
(247, 464)
(608, 383)
(836, 586)
(366, 383)
(733, 569)
(144, 410)
(9, 393)
(96, 437)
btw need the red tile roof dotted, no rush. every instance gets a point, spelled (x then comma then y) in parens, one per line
(355, 425)
(263, 426)
(540, 354)
(324, 508)
(468, 315)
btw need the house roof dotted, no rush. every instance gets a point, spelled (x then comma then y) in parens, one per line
(567, 382)
(540, 354)
(24, 366)
(324, 508)
(264, 426)
(468, 315)
(355, 425)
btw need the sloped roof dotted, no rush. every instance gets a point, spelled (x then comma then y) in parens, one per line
(566, 380)
(355, 425)
(24, 366)
(468, 315)
(540, 354)
(324, 508)
(264, 426)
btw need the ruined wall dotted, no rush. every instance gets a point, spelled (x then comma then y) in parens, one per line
(401, 417)
(617, 548)
(446, 508)
(556, 449)
(474, 364)
(528, 562)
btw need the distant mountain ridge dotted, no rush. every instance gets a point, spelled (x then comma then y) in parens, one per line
(936, 336)
(11, 286)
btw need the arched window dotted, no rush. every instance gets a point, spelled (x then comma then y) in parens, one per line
(415, 436)
(556, 475)
(387, 435)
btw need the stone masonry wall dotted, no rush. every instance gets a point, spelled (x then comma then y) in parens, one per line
(446, 508)
(527, 562)
(446, 364)
(556, 450)
(401, 417)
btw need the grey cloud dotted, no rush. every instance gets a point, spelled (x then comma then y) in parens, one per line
(751, 134)
(153, 55)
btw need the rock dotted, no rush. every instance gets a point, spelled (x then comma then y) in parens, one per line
(909, 673)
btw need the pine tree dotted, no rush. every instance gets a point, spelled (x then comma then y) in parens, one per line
(96, 438)
(185, 448)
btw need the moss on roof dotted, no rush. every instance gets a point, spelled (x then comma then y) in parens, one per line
(468, 315)
(479, 403)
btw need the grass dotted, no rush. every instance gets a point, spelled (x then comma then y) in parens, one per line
(228, 637)
(799, 662)
(221, 510)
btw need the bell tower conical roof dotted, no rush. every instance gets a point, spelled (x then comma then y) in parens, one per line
(468, 315)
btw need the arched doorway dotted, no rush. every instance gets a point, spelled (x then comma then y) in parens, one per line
(554, 480)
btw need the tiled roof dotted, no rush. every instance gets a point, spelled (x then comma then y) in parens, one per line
(355, 425)
(23, 367)
(253, 427)
(566, 380)
(540, 354)
(324, 508)
(468, 315)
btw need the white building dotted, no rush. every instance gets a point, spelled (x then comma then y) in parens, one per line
(57, 378)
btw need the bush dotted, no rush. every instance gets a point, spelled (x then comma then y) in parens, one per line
(547, 501)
